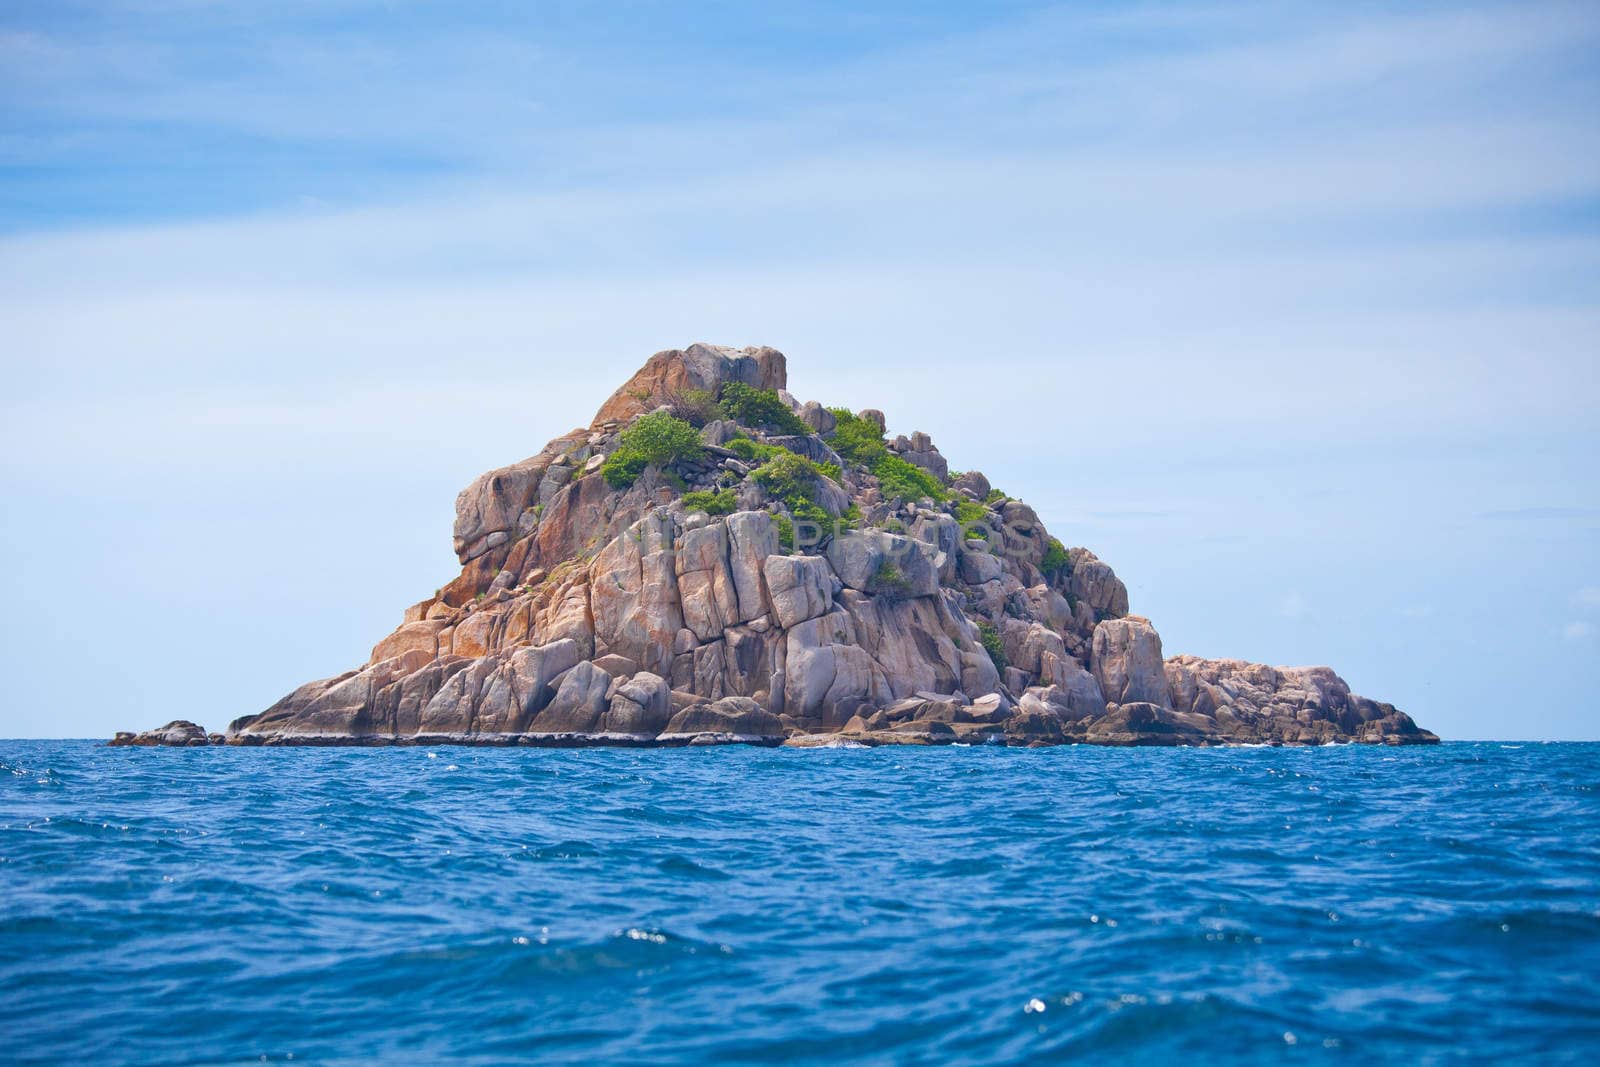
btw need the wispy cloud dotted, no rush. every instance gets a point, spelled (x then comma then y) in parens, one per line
(1537, 514)
(1169, 265)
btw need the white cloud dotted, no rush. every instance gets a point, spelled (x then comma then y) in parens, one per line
(1578, 630)
(1587, 597)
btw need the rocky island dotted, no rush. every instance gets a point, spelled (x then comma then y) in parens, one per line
(712, 561)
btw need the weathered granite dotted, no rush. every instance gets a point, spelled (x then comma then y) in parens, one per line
(589, 614)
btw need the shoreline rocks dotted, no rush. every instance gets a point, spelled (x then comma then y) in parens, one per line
(854, 594)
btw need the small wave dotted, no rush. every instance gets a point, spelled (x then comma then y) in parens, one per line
(903, 905)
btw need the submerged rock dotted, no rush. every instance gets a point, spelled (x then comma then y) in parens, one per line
(797, 598)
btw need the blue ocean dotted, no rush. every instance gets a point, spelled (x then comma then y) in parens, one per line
(892, 905)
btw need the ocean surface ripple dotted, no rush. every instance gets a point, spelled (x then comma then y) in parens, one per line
(1348, 905)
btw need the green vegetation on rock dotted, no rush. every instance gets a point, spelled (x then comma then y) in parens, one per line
(888, 579)
(655, 440)
(861, 444)
(856, 439)
(788, 475)
(990, 637)
(903, 481)
(722, 502)
(752, 451)
(760, 408)
(1055, 562)
(969, 512)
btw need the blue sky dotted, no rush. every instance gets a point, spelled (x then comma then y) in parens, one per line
(1291, 313)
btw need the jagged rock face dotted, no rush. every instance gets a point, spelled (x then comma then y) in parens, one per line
(586, 613)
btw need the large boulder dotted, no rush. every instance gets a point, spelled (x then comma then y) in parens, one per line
(578, 704)
(731, 718)
(800, 587)
(701, 366)
(1074, 697)
(920, 450)
(874, 561)
(1096, 586)
(521, 688)
(1126, 661)
(752, 537)
(633, 593)
(706, 591)
(492, 504)
(640, 707)
(178, 733)
(1141, 723)
(827, 675)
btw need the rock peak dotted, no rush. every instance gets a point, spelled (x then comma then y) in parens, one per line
(701, 366)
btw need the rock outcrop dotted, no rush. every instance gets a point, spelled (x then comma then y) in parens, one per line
(712, 561)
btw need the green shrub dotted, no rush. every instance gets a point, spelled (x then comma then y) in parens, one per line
(788, 475)
(992, 645)
(793, 480)
(722, 502)
(859, 443)
(831, 470)
(761, 408)
(888, 578)
(1055, 559)
(995, 497)
(751, 451)
(969, 512)
(856, 439)
(906, 481)
(622, 469)
(657, 439)
(661, 439)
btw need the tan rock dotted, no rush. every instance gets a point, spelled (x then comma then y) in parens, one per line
(1127, 662)
(706, 590)
(419, 636)
(799, 587)
(700, 366)
(634, 594)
